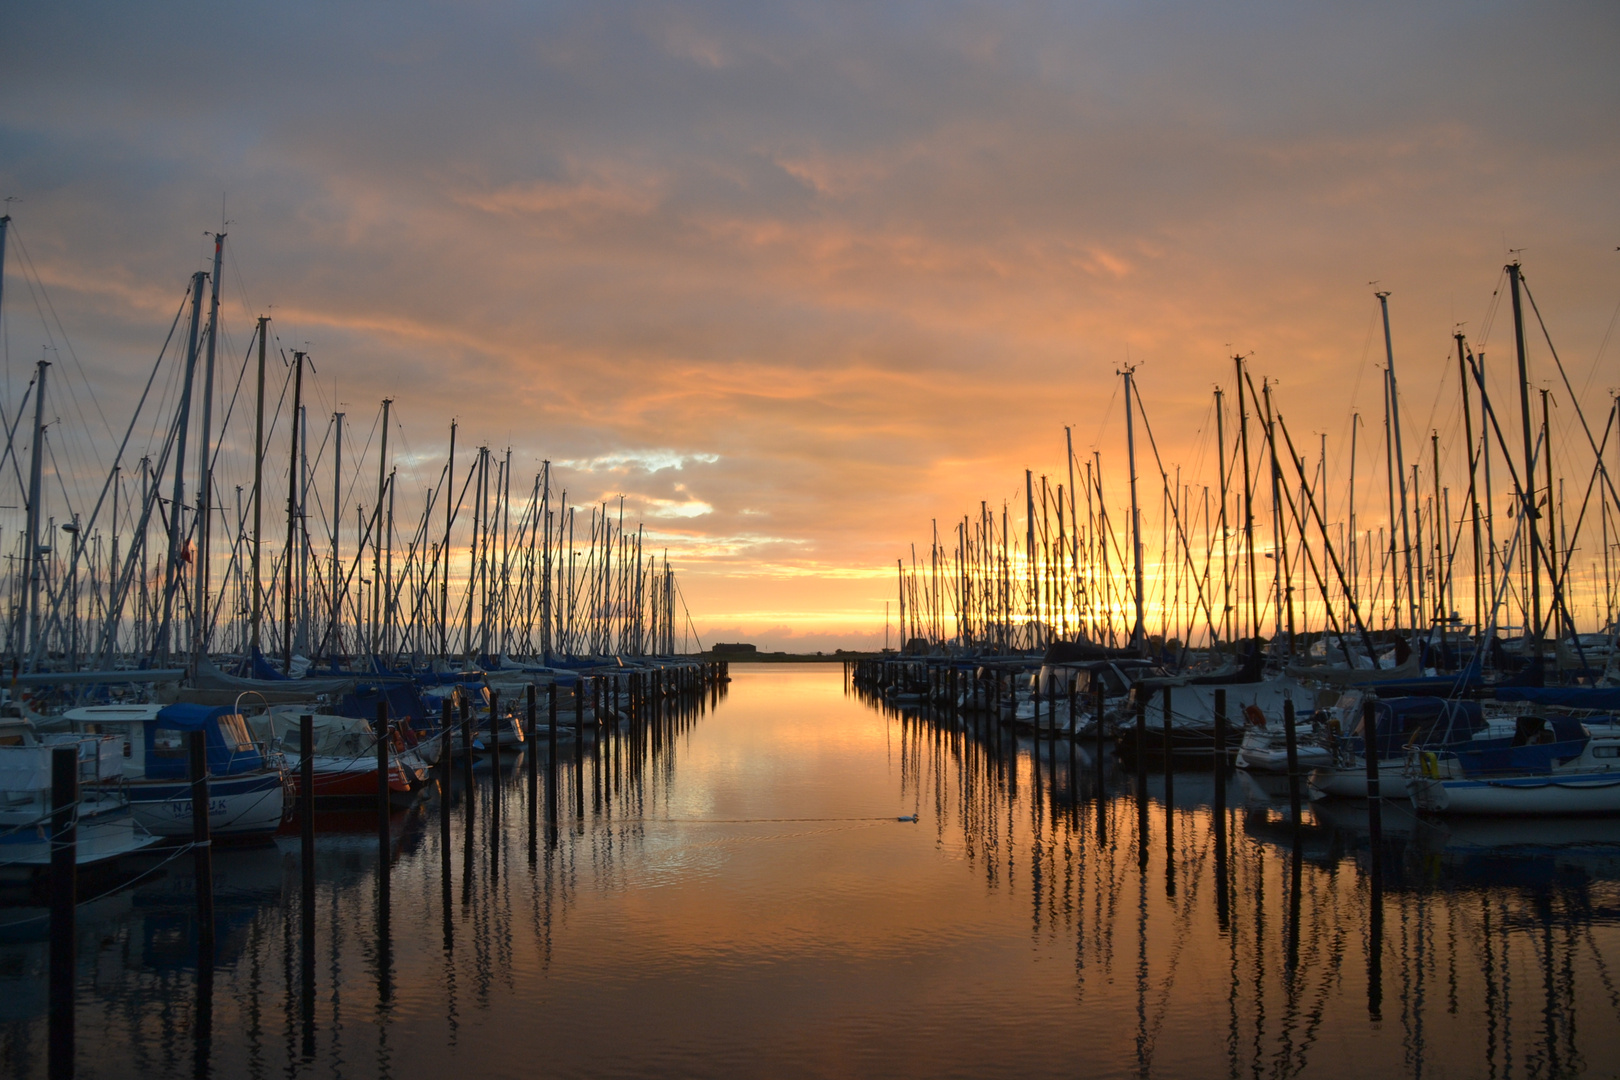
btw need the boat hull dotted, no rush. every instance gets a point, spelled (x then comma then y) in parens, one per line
(1332, 782)
(1571, 793)
(239, 807)
(346, 781)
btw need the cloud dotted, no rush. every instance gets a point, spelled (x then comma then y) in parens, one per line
(648, 461)
(870, 259)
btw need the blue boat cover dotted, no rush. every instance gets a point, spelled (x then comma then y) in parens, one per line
(168, 759)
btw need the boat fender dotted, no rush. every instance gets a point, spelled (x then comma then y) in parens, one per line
(1430, 764)
(1253, 715)
(913, 818)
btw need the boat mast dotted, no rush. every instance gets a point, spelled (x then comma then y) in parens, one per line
(1528, 494)
(1137, 629)
(205, 473)
(258, 492)
(1393, 405)
(1283, 597)
(376, 537)
(1248, 500)
(1029, 536)
(335, 634)
(1473, 479)
(32, 553)
(449, 519)
(1477, 364)
(292, 518)
(1226, 576)
(1355, 423)
(171, 575)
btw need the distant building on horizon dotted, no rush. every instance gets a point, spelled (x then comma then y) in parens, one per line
(735, 647)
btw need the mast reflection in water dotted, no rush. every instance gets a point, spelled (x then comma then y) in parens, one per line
(729, 892)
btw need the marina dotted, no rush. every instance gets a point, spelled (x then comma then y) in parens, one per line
(736, 876)
(885, 540)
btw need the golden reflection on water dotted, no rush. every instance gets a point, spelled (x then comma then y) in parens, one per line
(729, 892)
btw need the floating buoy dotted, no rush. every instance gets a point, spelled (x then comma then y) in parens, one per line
(913, 818)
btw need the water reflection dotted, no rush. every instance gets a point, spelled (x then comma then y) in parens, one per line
(1501, 936)
(726, 889)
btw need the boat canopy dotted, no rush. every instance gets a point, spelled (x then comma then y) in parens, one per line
(231, 748)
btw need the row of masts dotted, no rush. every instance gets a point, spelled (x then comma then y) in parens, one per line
(1275, 544)
(172, 564)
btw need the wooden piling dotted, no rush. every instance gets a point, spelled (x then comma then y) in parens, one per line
(551, 726)
(495, 757)
(384, 858)
(64, 895)
(1141, 784)
(1291, 742)
(306, 858)
(1219, 808)
(202, 852)
(532, 745)
(1369, 745)
(1102, 801)
(469, 790)
(1141, 743)
(1218, 812)
(382, 774)
(1169, 735)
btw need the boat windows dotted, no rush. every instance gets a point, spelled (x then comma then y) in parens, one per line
(1610, 751)
(11, 740)
(233, 731)
(168, 743)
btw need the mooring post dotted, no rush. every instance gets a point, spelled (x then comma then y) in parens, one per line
(446, 733)
(551, 763)
(1169, 735)
(1375, 861)
(1291, 742)
(495, 757)
(1102, 802)
(466, 749)
(1099, 693)
(580, 690)
(1141, 783)
(1219, 810)
(1369, 748)
(202, 852)
(1220, 762)
(551, 726)
(532, 745)
(306, 857)
(64, 895)
(1141, 741)
(384, 840)
(384, 858)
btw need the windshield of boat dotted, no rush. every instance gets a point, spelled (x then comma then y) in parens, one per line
(233, 732)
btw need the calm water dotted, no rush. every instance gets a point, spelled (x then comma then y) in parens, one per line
(736, 897)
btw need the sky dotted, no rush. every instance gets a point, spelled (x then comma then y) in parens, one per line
(798, 279)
